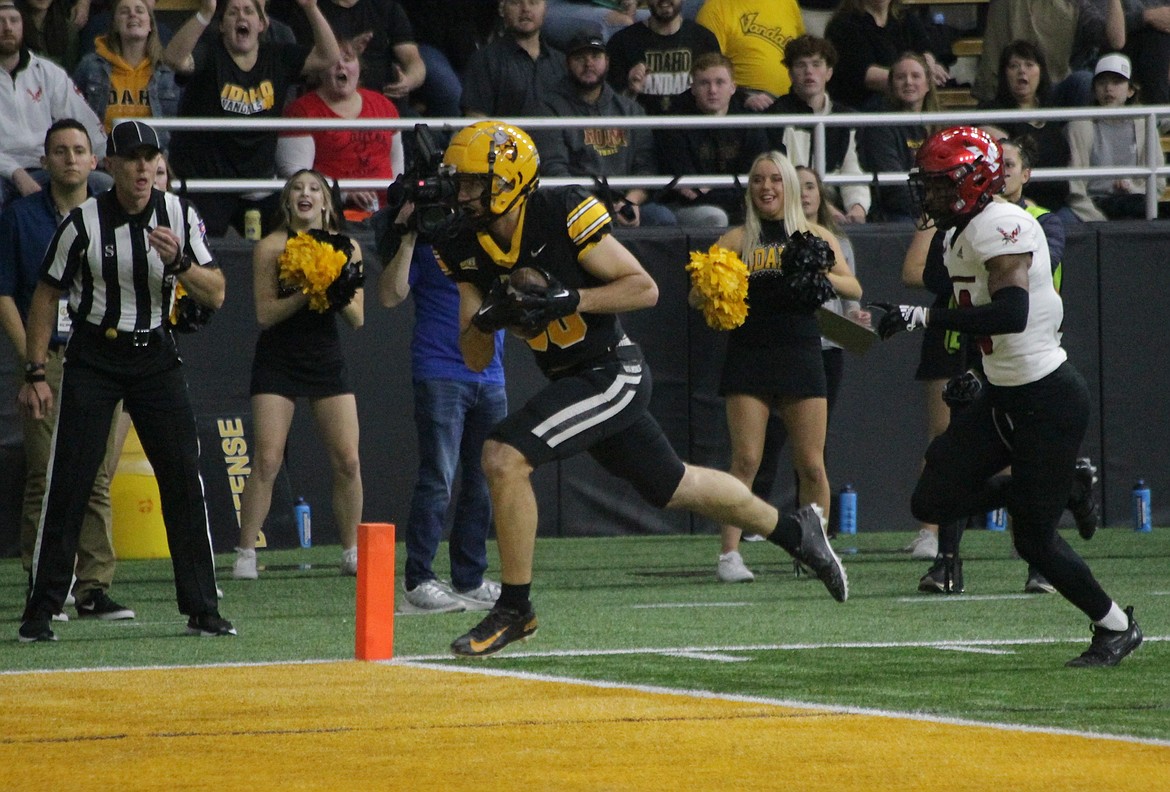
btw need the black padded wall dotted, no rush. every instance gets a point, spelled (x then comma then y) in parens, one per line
(1114, 278)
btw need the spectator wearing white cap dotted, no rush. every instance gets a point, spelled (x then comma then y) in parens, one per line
(1117, 142)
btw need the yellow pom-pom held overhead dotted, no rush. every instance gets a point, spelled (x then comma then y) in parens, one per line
(310, 266)
(722, 279)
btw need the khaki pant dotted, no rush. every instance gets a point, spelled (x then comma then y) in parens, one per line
(95, 548)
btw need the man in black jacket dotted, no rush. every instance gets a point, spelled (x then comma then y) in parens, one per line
(810, 62)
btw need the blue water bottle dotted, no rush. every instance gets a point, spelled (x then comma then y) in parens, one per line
(1141, 507)
(304, 520)
(847, 510)
(997, 520)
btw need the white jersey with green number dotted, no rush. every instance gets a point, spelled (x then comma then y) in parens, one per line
(1003, 229)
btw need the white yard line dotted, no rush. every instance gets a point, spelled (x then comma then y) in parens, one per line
(923, 599)
(693, 605)
(715, 657)
(481, 668)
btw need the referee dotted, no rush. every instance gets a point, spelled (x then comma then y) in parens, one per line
(118, 256)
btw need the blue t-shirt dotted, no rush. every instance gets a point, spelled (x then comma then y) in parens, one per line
(26, 229)
(434, 349)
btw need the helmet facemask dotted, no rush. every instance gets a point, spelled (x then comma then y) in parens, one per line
(939, 197)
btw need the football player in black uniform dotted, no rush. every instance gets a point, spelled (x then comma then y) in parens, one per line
(599, 387)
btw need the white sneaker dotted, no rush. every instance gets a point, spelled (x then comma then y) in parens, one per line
(245, 566)
(432, 596)
(60, 617)
(480, 598)
(924, 546)
(731, 569)
(349, 561)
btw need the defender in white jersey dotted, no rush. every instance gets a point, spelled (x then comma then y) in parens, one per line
(1032, 414)
(1004, 229)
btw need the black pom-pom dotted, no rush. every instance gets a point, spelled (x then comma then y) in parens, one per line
(189, 316)
(804, 264)
(348, 281)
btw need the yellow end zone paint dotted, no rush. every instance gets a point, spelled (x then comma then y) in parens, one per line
(351, 726)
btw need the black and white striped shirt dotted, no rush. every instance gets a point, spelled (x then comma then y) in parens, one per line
(101, 256)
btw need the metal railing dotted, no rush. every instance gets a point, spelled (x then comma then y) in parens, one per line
(1153, 114)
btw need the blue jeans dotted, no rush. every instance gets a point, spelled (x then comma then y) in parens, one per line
(453, 420)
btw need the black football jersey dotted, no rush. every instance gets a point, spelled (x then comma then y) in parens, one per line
(557, 227)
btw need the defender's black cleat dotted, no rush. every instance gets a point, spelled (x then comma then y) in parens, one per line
(499, 628)
(945, 576)
(1081, 501)
(1109, 646)
(817, 554)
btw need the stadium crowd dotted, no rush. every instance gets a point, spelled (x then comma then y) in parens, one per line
(515, 58)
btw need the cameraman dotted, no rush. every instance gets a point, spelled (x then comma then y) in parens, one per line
(454, 409)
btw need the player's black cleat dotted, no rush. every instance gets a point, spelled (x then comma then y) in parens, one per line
(1109, 646)
(945, 576)
(1081, 501)
(817, 554)
(499, 628)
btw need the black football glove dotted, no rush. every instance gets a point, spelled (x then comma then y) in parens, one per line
(542, 304)
(498, 310)
(899, 318)
(962, 389)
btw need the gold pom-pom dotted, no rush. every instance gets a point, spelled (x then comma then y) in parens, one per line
(309, 265)
(722, 279)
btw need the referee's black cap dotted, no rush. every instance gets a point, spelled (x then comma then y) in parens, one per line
(128, 137)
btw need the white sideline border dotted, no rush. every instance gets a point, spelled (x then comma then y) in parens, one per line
(950, 643)
(835, 709)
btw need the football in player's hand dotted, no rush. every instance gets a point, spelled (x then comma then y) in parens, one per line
(527, 282)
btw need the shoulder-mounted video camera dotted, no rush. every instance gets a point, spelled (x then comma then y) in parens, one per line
(428, 185)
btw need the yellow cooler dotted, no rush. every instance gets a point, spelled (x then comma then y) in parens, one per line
(138, 520)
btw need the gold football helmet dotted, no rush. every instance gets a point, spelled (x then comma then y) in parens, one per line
(502, 152)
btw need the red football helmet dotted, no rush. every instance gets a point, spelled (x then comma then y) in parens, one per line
(957, 172)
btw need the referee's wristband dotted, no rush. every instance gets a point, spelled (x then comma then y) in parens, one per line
(180, 265)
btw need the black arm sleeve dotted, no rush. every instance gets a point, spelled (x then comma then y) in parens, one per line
(1006, 313)
(935, 276)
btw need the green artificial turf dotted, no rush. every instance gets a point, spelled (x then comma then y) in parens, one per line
(625, 609)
